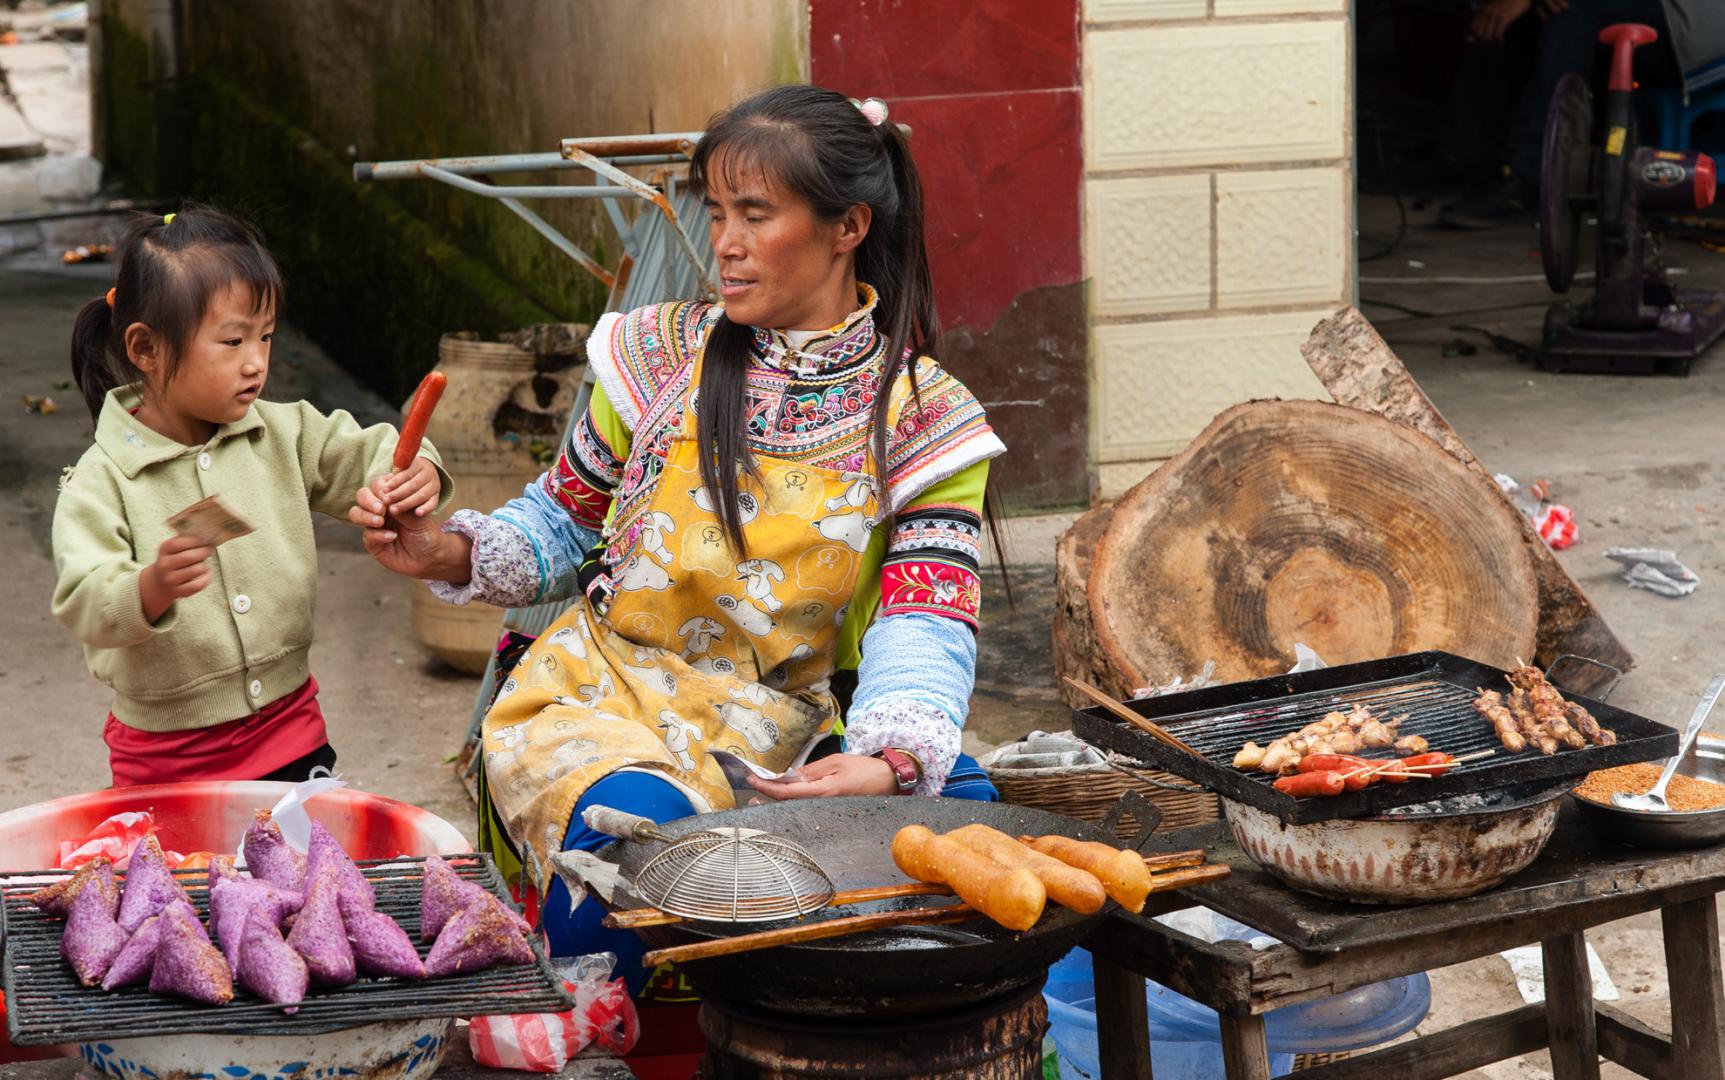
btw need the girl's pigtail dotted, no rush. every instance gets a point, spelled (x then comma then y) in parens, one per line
(92, 366)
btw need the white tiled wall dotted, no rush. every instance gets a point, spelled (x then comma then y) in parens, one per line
(1218, 211)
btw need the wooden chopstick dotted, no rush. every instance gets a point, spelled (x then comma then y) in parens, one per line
(1129, 716)
(1186, 878)
(1173, 860)
(639, 918)
(814, 931)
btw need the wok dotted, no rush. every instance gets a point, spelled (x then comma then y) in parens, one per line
(909, 970)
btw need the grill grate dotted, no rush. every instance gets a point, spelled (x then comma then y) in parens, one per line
(46, 1004)
(1433, 690)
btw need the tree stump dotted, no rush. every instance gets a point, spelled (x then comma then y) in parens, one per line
(1360, 370)
(1302, 521)
(1075, 651)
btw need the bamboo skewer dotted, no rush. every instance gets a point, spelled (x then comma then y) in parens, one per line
(1139, 722)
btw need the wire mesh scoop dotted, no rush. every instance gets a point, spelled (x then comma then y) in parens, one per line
(720, 875)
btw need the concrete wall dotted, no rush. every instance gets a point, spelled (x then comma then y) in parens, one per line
(1218, 219)
(282, 98)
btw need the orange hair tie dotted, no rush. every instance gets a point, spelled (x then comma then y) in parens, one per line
(110, 298)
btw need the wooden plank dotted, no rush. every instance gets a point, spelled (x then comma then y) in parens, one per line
(1697, 999)
(1569, 1021)
(1576, 868)
(1245, 1053)
(1283, 976)
(1630, 1043)
(1218, 975)
(1361, 371)
(1122, 1021)
(1451, 1052)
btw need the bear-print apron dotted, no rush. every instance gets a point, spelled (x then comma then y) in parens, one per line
(698, 649)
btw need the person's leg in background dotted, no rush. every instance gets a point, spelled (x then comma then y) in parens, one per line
(1568, 43)
(577, 930)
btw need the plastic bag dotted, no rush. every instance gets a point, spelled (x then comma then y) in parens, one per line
(604, 1014)
(113, 840)
(289, 814)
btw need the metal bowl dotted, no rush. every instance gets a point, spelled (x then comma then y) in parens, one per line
(1669, 831)
(1404, 858)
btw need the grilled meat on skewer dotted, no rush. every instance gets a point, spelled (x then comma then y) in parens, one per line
(1250, 756)
(1490, 705)
(1584, 721)
(1409, 745)
(1335, 733)
(1532, 729)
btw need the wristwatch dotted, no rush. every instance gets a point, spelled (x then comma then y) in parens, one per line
(906, 769)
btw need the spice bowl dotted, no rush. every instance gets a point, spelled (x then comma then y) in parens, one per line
(1673, 830)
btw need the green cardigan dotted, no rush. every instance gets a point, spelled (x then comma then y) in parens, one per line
(242, 642)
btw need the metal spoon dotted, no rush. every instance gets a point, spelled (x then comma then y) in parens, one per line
(1655, 800)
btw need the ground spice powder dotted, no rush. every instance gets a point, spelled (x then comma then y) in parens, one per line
(1686, 794)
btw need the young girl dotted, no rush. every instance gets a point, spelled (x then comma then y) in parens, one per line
(205, 646)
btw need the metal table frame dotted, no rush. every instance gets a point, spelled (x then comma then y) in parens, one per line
(1242, 984)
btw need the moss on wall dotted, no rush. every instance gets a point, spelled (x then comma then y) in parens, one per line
(131, 135)
(372, 283)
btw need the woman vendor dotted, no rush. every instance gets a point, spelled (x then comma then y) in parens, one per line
(768, 502)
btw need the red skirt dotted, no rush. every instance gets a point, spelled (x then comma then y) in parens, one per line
(279, 734)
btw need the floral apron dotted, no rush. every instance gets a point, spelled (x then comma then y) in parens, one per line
(696, 651)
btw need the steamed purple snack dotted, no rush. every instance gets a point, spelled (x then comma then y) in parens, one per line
(150, 885)
(482, 935)
(269, 967)
(138, 959)
(269, 857)
(92, 938)
(187, 965)
(381, 946)
(319, 935)
(222, 868)
(56, 899)
(323, 849)
(446, 895)
(233, 899)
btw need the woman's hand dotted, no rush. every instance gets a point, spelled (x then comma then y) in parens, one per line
(410, 544)
(839, 774)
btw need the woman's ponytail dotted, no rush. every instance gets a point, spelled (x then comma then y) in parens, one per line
(93, 366)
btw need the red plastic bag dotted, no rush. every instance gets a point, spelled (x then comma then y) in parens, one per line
(604, 1014)
(113, 840)
(1556, 525)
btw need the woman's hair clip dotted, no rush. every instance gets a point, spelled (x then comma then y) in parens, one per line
(110, 298)
(167, 219)
(873, 110)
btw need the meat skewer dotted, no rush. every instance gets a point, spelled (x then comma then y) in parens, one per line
(1336, 733)
(1490, 705)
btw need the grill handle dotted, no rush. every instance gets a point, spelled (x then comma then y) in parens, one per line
(624, 826)
(1146, 813)
(1601, 695)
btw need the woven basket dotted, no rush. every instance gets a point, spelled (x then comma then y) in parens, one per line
(1088, 792)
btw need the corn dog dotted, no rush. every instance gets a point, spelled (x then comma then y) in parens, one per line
(1122, 873)
(1066, 885)
(1012, 897)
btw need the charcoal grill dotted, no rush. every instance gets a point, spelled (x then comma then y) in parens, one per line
(1433, 690)
(46, 1004)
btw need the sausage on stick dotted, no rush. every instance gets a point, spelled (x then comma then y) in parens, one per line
(1067, 885)
(1011, 896)
(418, 416)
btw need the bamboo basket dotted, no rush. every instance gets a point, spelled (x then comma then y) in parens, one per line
(1088, 792)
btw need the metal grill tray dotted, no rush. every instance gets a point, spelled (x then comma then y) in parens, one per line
(1435, 690)
(46, 1004)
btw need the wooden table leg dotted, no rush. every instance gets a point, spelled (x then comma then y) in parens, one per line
(1122, 1021)
(1569, 1020)
(1244, 1052)
(1697, 1001)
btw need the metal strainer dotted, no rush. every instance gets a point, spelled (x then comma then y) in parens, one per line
(720, 875)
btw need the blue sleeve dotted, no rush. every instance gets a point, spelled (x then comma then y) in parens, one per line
(926, 658)
(525, 553)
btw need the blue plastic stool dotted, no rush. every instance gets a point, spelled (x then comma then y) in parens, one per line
(1186, 1037)
(1676, 119)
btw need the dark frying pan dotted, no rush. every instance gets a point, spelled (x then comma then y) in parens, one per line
(889, 972)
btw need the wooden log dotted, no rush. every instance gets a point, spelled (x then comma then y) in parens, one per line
(1075, 652)
(1361, 371)
(1302, 521)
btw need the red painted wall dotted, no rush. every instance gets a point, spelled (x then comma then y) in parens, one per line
(991, 91)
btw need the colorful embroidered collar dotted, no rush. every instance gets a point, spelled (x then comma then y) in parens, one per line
(826, 351)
